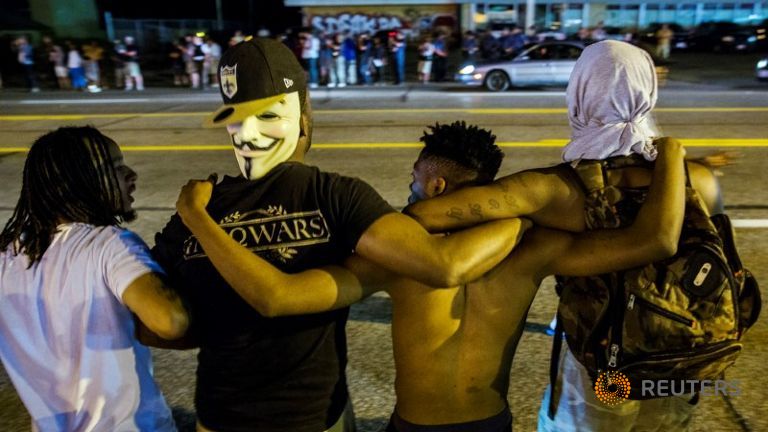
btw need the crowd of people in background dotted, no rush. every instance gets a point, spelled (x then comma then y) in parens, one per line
(195, 61)
(72, 66)
(341, 59)
(333, 60)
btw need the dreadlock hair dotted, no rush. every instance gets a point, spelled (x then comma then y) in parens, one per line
(467, 154)
(68, 176)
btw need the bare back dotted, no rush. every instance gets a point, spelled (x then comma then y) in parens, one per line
(454, 347)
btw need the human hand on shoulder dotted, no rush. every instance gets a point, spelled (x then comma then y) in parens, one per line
(714, 161)
(194, 197)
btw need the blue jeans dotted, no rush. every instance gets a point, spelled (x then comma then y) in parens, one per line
(365, 70)
(29, 75)
(579, 410)
(313, 77)
(400, 67)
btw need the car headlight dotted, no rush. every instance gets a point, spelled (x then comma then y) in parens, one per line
(752, 39)
(466, 70)
(762, 64)
(728, 39)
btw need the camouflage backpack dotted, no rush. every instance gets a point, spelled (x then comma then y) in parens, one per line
(675, 320)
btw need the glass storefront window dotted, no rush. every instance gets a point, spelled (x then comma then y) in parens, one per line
(724, 12)
(612, 15)
(686, 15)
(708, 13)
(743, 13)
(667, 13)
(651, 14)
(572, 18)
(630, 15)
(622, 16)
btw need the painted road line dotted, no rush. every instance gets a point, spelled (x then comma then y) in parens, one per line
(489, 111)
(36, 117)
(546, 143)
(81, 101)
(750, 223)
(392, 93)
(315, 95)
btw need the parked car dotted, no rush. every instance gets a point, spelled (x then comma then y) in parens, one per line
(541, 64)
(761, 70)
(760, 32)
(722, 36)
(679, 40)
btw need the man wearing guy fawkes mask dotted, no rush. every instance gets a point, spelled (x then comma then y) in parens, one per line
(288, 374)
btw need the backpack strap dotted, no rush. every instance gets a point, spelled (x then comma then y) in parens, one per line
(591, 175)
(554, 364)
(635, 160)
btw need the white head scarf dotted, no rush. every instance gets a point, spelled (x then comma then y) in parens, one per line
(611, 93)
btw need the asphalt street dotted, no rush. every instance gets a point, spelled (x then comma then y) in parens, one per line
(373, 134)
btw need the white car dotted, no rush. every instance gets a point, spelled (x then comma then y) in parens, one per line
(543, 64)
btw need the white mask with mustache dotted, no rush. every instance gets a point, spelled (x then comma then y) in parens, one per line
(261, 142)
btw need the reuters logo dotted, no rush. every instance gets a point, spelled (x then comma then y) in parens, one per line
(612, 388)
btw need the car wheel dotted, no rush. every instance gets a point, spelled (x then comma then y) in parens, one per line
(497, 81)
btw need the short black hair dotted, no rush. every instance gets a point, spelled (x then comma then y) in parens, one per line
(68, 176)
(471, 152)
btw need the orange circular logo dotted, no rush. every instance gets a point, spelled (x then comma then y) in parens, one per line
(612, 388)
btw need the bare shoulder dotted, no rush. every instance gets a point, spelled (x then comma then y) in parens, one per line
(706, 184)
(555, 195)
(532, 256)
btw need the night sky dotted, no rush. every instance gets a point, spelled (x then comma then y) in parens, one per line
(262, 13)
(252, 14)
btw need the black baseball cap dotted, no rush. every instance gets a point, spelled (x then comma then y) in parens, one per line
(253, 75)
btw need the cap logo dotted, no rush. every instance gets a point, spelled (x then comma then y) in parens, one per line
(288, 82)
(228, 79)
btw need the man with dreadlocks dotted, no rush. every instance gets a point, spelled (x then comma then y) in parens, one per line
(453, 347)
(70, 278)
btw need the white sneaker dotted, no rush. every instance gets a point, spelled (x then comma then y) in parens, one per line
(331, 85)
(313, 85)
(343, 85)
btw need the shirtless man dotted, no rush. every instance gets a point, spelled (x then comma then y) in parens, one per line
(453, 347)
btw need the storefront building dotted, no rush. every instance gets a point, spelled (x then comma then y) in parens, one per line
(425, 15)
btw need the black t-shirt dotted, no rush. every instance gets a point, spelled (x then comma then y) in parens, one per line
(279, 374)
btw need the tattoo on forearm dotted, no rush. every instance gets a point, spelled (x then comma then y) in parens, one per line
(493, 203)
(510, 201)
(476, 210)
(455, 213)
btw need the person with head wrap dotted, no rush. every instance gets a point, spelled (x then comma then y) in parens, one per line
(610, 96)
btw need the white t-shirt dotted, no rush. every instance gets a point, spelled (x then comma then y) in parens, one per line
(74, 60)
(67, 340)
(311, 48)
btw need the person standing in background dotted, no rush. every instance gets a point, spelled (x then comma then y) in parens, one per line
(26, 58)
(132, 72)
(349, 52)
(93, 53)
(75, 66)
(664, 37)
